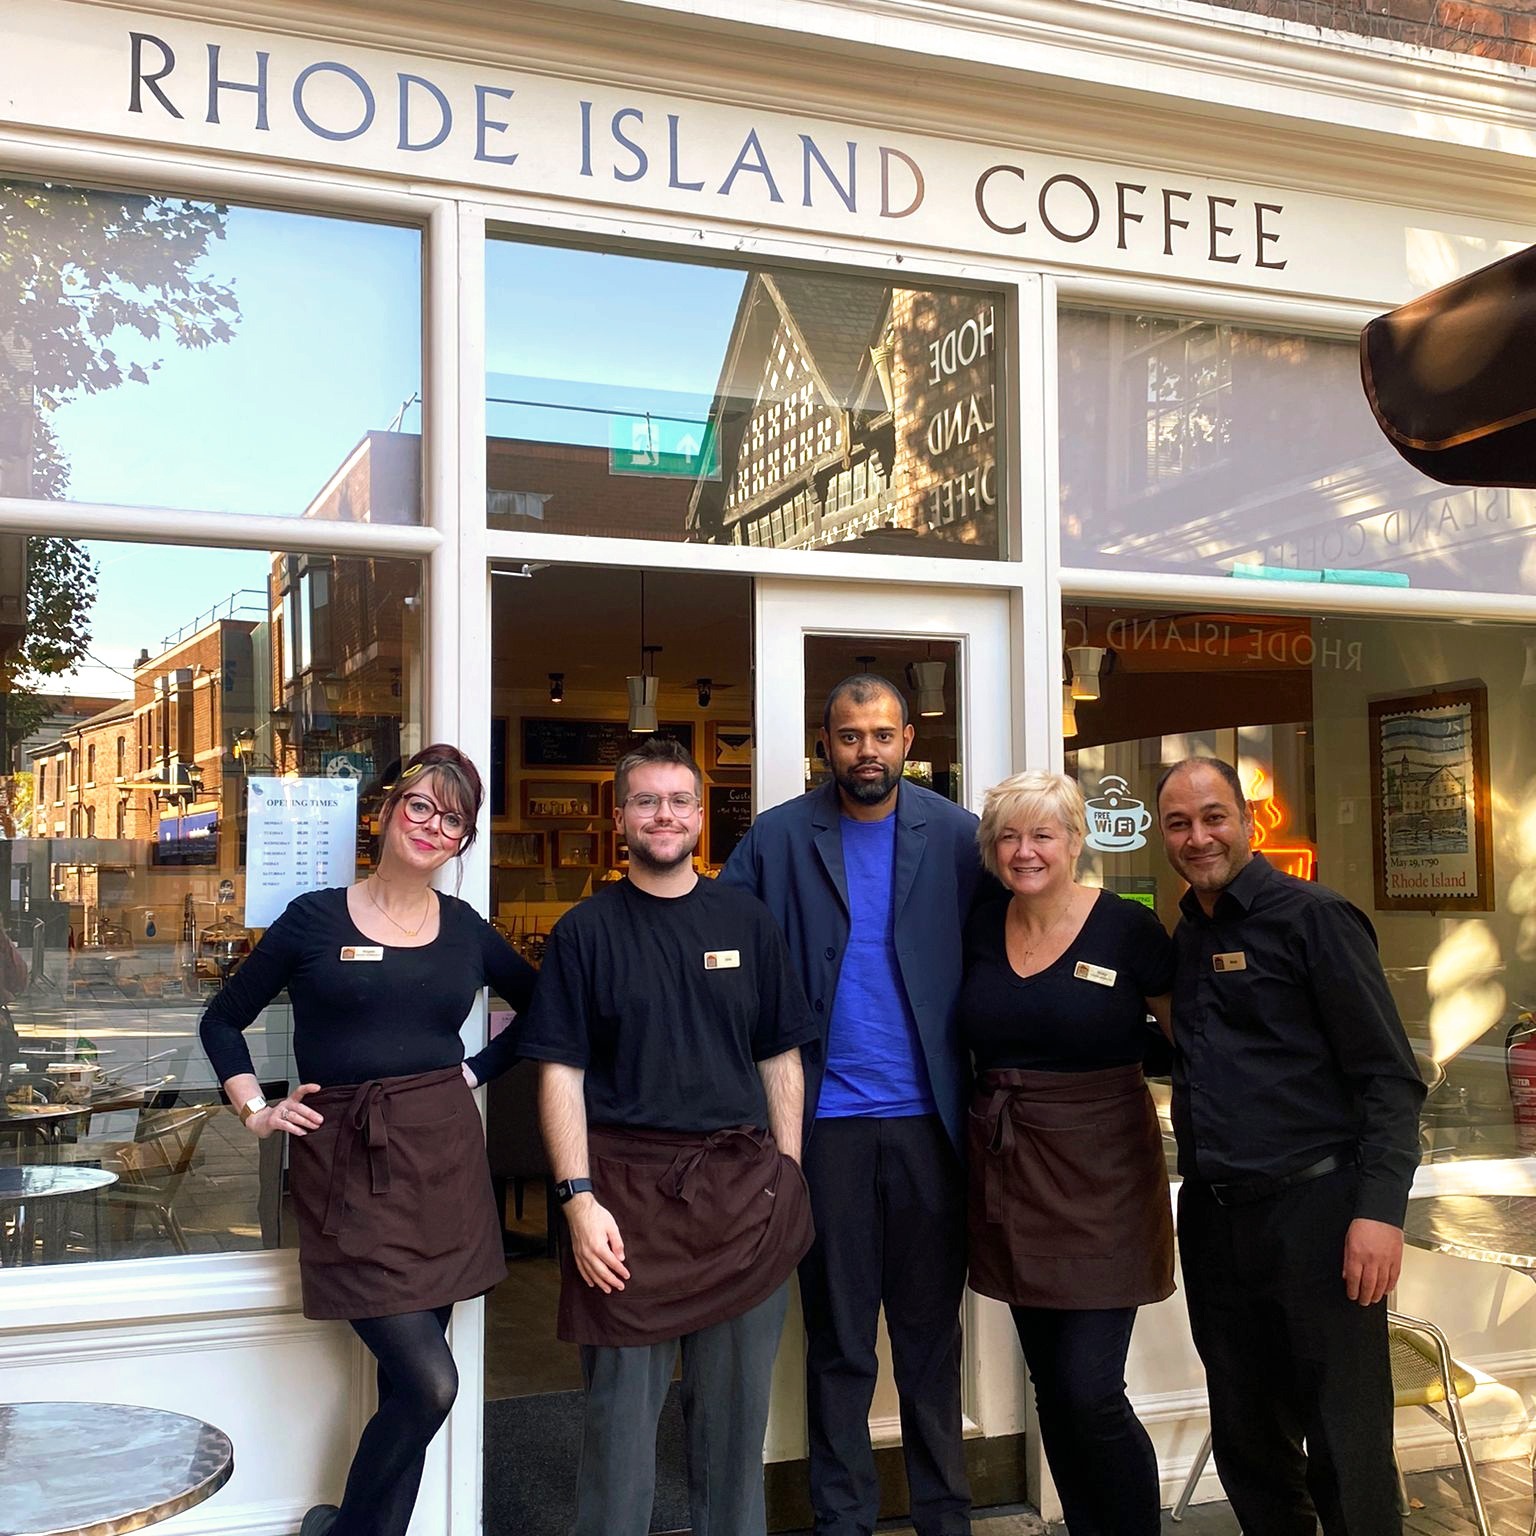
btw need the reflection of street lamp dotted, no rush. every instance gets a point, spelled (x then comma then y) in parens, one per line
(243, 744)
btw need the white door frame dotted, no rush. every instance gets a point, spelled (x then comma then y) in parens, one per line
(986, 625)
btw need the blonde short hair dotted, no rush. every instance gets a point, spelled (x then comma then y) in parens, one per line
(1028, 799)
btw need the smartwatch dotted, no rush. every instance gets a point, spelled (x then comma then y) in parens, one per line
(567, 1189)
(252, 1107)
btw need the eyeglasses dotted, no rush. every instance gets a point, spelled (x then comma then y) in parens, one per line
(419, 811)
(684, 803)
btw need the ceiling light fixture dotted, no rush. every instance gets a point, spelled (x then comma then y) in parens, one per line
(927, 680)
(557, 687)
(1088, 665)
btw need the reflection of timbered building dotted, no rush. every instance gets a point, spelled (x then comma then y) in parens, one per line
(852, 411)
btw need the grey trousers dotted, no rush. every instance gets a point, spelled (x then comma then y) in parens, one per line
(727, 1373)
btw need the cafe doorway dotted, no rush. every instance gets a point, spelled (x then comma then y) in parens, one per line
(738, 670)
(579, 655)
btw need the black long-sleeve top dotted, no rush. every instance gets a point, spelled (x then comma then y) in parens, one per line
(1289, 1044)
(357, 1017)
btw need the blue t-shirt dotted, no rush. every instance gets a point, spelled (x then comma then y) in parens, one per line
(875, 1062)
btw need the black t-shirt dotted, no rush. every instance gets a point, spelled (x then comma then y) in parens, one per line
(667, 1004)
(1085, 1011)
(355, 1020)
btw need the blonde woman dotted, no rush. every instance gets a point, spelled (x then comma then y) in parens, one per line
(1070, 1222)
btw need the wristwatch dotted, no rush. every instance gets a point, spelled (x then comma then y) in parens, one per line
(252, 1107)
(567, 1189)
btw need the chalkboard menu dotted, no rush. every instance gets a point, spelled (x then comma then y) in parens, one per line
(563, 742)
(730, 814)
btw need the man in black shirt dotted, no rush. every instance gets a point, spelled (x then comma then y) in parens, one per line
(1295, 1104)
(670, 1026)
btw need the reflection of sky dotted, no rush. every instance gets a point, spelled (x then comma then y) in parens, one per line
(327, 348)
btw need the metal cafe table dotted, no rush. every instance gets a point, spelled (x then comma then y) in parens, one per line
(1488, 1229)
(23, 1189)
(100, 1469)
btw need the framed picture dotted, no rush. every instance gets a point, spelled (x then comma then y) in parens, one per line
(727, 747)
(517, 850)
(1431, 827)
(559, 799)
(498, 775)
(577, 850)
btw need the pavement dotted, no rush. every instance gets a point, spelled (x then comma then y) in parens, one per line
(1441, 1508)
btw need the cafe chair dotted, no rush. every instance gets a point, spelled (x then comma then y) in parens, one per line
(1424, 1374)
(515, 1150)
(150, 1170)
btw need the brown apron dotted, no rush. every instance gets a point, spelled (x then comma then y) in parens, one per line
(393, 1198)
(1069, 1202)
(713, 1224)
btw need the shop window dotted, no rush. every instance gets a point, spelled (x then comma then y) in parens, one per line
(635, 398)
(127, 937)
(1208, 448)
(156, 351)
(1389, 760)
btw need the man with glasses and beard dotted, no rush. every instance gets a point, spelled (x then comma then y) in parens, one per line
(669, 1025)
(872, 879)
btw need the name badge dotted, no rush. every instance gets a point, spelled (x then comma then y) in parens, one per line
(722, 959)
(1236, 961)
(362, 951)
(1101, 974)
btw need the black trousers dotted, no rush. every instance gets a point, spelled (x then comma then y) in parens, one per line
(1100, 1455)
(1300, 1377)
(889, 1201)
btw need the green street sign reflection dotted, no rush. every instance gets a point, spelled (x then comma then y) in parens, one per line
(660, 445)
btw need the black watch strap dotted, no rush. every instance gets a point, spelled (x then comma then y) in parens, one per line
(567, 1189)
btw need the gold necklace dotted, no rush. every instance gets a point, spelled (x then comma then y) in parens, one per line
(1054, 924)
(410, 933)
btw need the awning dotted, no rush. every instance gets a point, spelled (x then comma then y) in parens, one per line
(1450, 376)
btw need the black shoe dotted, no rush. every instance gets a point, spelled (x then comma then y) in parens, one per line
(319, 1520)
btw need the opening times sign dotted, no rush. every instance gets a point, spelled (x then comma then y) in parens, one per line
(301, 836)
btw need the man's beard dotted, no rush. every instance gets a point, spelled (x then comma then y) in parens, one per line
(869, 791)
(638, 855)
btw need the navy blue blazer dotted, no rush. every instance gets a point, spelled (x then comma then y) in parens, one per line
(792, 859)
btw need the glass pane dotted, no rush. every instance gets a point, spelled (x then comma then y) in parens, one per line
(1389, 760)
(1200, 447)
(924, 672)
(125, 893)
(160, 352)
(783, 409)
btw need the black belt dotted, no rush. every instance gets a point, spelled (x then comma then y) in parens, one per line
(1247, 1191)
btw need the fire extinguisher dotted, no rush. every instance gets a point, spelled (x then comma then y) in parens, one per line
(1520, 1064)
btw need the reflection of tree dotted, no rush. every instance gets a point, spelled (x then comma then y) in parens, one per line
(78, 269)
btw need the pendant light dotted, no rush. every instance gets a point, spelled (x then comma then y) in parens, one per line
(642, 686)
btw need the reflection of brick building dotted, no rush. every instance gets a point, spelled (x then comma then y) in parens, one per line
(344, 654)
(571, 488)
(82, 779)
(852, 411)
(188, 702)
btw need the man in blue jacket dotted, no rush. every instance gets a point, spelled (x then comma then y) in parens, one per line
(871, 879)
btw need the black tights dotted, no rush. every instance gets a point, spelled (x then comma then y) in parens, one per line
(418, 1382)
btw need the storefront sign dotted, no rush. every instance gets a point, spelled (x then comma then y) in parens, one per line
(301, 836)
(132, 75)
